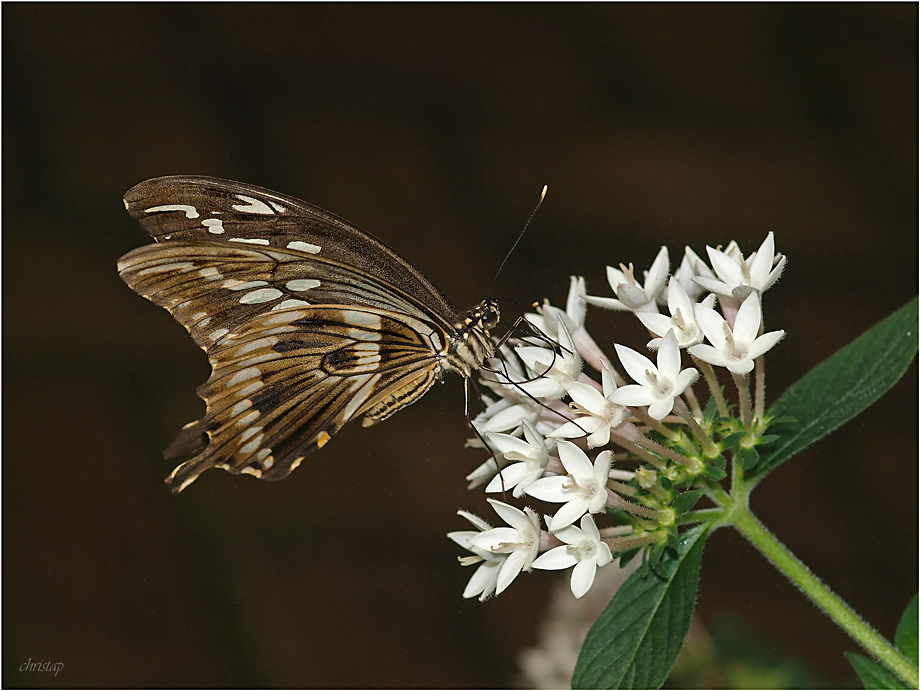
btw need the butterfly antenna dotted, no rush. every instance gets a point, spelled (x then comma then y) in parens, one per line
(542, 195)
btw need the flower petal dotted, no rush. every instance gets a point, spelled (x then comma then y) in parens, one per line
(556, 559)
(583, 577)
(575, 461)
(568, 514)
(636, 365)
(551, 489)
(634, 395)
(661, 408)
(763, 343)
(669, 356)
(747, 321)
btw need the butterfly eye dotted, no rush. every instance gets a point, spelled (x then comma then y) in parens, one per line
(489, 315)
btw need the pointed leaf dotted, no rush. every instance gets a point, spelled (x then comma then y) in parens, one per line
(686, 501)
(906, 637)
(842, 386)
(636, 639)
(872, 674)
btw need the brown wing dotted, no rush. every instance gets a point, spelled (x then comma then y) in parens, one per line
(287, 381)
(191, 207)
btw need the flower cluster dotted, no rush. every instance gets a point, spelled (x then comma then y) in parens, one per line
(547, 415)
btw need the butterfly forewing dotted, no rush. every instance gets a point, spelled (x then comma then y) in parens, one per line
(307, 321)
(210, 209)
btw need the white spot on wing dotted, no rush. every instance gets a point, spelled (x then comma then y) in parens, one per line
(361, 335)
(252, 446)
(199, 315)
(261, 295)
(365, 319)
(246, 390)
(214, 335)
(204, 322)
(210, 273)
(252, 206)
(241, 406)
(286, 317)
(214, 225)
(251, 241)
(247, 418)
(361, 395)
(300, 284)
(243, 375)
(248, 433)
(304, 247)
(190, 211)
(251, 471)
(290, 303)
(236, 285)
(255, 345)
(277, 207)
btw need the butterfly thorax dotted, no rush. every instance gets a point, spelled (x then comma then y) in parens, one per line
(473, 344)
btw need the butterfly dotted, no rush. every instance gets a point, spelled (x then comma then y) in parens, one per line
(307, 321)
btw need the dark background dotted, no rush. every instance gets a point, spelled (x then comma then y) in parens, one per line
(434, 127)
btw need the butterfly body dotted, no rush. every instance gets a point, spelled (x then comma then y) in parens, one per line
(308, 322)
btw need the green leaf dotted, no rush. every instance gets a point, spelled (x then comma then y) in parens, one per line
(906, 637)
(749, 457)
(842, 386)
(686, 501)
(714, 473)
(636, 639)
(730, 440)
(873, 675)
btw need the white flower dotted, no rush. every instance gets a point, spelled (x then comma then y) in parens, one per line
(520, 542)
(735, 348)
(656, 387)
(583, 490)
(682, 321)
(500, 372)
(690, 267)
(485, 576)
(600, 413)
(551, 369)
(532, 456)
(574, 317)
(584, 550)
(630, 295)
(737, 277)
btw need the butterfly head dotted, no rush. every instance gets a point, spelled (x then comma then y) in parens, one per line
(486, 315)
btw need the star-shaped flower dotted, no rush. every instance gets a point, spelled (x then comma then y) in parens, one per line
(656, 387)
(735, 348)
(574, 317)
(737, 277)
(600, 413)
(690, 267)
(584, 550)
(583, 490)
(632, 297)
(531, 456)
(551, 369)
(484, 578)
(519, 543)
(682, 321)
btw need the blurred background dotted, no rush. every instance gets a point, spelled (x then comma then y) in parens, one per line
(434, 127)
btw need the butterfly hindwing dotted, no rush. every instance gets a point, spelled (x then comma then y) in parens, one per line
(286, 382)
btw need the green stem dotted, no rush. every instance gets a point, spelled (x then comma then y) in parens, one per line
(700, 516)
(741, 517)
